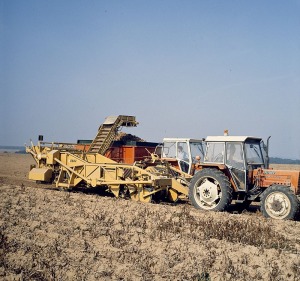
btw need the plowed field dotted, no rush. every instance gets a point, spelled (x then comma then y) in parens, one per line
(50, 234)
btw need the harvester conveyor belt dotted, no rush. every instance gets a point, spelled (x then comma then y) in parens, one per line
(107, 132)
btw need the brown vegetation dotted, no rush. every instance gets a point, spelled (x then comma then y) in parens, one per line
(121, 136)
(50, 234)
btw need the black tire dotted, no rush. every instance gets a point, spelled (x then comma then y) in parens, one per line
(210, 190)
(279, 202)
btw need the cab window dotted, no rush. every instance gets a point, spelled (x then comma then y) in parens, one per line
(182, 151)
(197, 149)
(234, 155)
(253, 153)
(169, 150)
(215, 152)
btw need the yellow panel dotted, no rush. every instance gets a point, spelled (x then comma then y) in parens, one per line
(40, 174)
(51, 155)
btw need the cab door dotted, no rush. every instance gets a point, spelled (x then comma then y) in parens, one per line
(235, 162)
(183, 157)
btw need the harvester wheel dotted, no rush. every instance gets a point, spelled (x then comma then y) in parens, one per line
(210, 190)
(142, 195)
(279, 202)
(172, 195)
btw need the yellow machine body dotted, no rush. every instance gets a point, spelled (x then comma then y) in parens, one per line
(68, 167)
(41, 174)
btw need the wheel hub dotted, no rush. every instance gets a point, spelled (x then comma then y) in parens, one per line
(277, 205)
(208, 192)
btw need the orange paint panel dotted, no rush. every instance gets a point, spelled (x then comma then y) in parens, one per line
(282, 177)
(128, 154)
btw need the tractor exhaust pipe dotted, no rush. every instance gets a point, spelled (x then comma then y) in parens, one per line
(267, 152)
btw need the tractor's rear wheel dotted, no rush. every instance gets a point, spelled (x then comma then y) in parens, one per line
(210, 190)
(279, 202)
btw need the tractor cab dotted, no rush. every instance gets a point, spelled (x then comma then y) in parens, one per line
(240, 155)
(182, 153)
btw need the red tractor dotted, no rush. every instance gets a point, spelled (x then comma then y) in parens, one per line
(237, 168)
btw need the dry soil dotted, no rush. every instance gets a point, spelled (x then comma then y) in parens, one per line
(50, 234)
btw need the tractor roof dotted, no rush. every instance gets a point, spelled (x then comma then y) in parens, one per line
(181, 140)
(231, 138)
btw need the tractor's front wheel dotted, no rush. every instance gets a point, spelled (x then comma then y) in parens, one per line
(210, 190)
(279, 202)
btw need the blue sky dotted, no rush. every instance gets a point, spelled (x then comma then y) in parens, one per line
(183, 68)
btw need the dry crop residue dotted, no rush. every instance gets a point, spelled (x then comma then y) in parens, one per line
(48, 234)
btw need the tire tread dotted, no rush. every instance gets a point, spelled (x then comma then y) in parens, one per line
(224, 183)
(295, 203)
